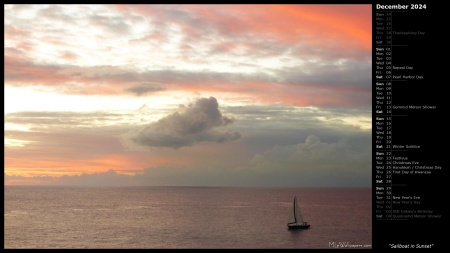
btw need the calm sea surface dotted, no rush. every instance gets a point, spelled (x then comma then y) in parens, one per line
(184, 217)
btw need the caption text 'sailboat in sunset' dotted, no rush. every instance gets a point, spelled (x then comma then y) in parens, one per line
(295, 218)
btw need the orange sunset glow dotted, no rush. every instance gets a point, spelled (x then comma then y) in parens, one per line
(262, 95)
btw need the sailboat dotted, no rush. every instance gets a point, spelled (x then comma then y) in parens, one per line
(295, 218)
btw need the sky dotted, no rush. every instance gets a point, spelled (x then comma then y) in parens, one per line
(188, 95)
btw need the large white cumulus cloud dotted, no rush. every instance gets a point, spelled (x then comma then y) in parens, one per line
(196, 122)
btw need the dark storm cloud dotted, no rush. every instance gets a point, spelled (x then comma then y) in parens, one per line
(194, 124)
(145, 88)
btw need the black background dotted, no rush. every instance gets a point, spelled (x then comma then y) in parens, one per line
(419, 127)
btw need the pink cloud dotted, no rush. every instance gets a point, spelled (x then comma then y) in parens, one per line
(245, 33)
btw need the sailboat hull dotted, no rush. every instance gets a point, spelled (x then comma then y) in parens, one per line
(298, 226)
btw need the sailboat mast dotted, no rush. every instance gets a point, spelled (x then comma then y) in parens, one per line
(295, 209)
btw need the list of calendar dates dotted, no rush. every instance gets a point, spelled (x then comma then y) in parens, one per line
(408, 166)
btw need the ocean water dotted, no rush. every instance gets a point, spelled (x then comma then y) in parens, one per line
(184, 217)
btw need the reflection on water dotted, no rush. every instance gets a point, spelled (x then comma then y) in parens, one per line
(183, 217)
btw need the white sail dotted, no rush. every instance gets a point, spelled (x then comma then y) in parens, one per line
(298, 214)
(295, 216)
